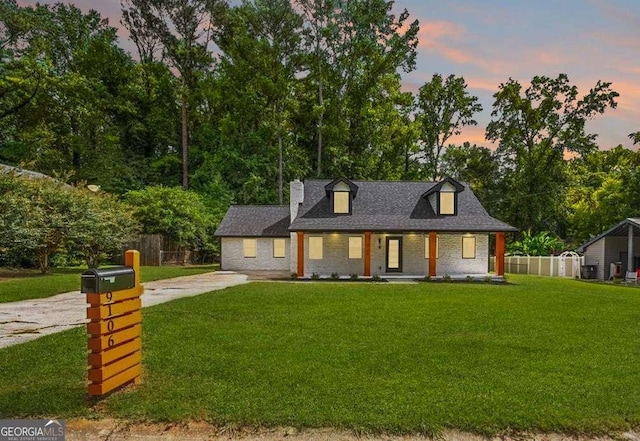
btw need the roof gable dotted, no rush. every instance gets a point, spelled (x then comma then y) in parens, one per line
(446, 184)
(620, 229)
(335, 185)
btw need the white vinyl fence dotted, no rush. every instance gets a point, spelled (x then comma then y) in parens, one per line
(565, 265)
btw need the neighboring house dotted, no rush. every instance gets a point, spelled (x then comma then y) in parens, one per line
(620, 243)
(22, 172)
(366, 228)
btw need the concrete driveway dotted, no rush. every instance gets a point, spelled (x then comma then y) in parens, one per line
(30, 319)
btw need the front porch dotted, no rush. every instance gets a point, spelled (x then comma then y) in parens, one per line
(402, 255)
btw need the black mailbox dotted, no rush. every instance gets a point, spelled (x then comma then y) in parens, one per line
(108, 279)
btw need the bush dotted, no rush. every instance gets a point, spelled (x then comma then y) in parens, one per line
(354, 277)
(179, 215)
(335, 276)
(315, 276)
(40, 217)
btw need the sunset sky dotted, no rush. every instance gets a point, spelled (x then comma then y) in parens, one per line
(489, 41)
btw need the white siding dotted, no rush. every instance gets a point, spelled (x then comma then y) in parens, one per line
(232, 255)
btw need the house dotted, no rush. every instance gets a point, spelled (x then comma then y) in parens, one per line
(620, 243)
(366, 228)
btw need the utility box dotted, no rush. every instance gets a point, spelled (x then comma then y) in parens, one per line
(589, 272)
(108, 279)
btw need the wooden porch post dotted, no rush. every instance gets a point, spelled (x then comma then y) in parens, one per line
(300, 254)
(367, 254)
(500, 254)
(432, 253)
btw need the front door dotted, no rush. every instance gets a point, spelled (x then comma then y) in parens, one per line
(394, 254)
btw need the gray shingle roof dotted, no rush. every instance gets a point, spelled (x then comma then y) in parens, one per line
(22, 172)
(391, 206)
(255, 221)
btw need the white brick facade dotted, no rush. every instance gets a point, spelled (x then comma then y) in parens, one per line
(335, 257)
(232, 255)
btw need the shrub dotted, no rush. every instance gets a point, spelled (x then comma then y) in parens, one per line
(179, 215)
(335, 276)
(447, 278)
(354, 276)
(315, 276)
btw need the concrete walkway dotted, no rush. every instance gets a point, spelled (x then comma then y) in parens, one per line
(29, 319)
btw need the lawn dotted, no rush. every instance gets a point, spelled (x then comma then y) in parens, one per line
(27, 285)
(538, 354)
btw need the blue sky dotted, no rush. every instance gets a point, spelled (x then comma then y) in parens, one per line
(489, 41)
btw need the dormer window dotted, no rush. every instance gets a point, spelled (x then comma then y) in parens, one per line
(443, 197)
(341, 202)
(341, 194)
(447, 202)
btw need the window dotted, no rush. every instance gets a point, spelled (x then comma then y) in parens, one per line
(468, 247)
(250, 247)
(315, 247)
(355, 247)
(341, 202)
(426, 247)
(279, 246)
(447, 202)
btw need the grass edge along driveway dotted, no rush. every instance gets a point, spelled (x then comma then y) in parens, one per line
(68, 279)
(541, 354)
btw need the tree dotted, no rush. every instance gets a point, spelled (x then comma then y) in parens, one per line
(476, 166)
(444, 108)
(179, 215)
(183, 29)
(105, 226)
(41, 216)
(355, 47)
(603, 189)
(635, 137)
(534, 129)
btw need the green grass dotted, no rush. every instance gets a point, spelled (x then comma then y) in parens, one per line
(26, 285)
(539, 354)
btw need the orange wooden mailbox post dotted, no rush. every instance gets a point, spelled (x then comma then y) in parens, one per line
(113, 295)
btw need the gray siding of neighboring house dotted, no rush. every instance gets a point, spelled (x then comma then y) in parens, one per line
(607, 250)
(613, 247)
(594, 255)
(335, 258)
(232, 256)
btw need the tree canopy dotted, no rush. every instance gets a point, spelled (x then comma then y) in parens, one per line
(234, 99)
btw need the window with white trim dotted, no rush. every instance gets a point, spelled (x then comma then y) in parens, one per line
(315, 247)
(355, 247)
(250, 247)
(468, 247)
(426, 247)
(279, 248)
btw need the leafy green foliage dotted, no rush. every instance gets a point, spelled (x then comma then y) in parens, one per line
(444, 108)
(541, 244)
(179, 215)
(535, 127)
(39, 217)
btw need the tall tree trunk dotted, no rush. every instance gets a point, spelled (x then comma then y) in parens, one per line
(280, 189)
(320, 118)
(185, 143)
